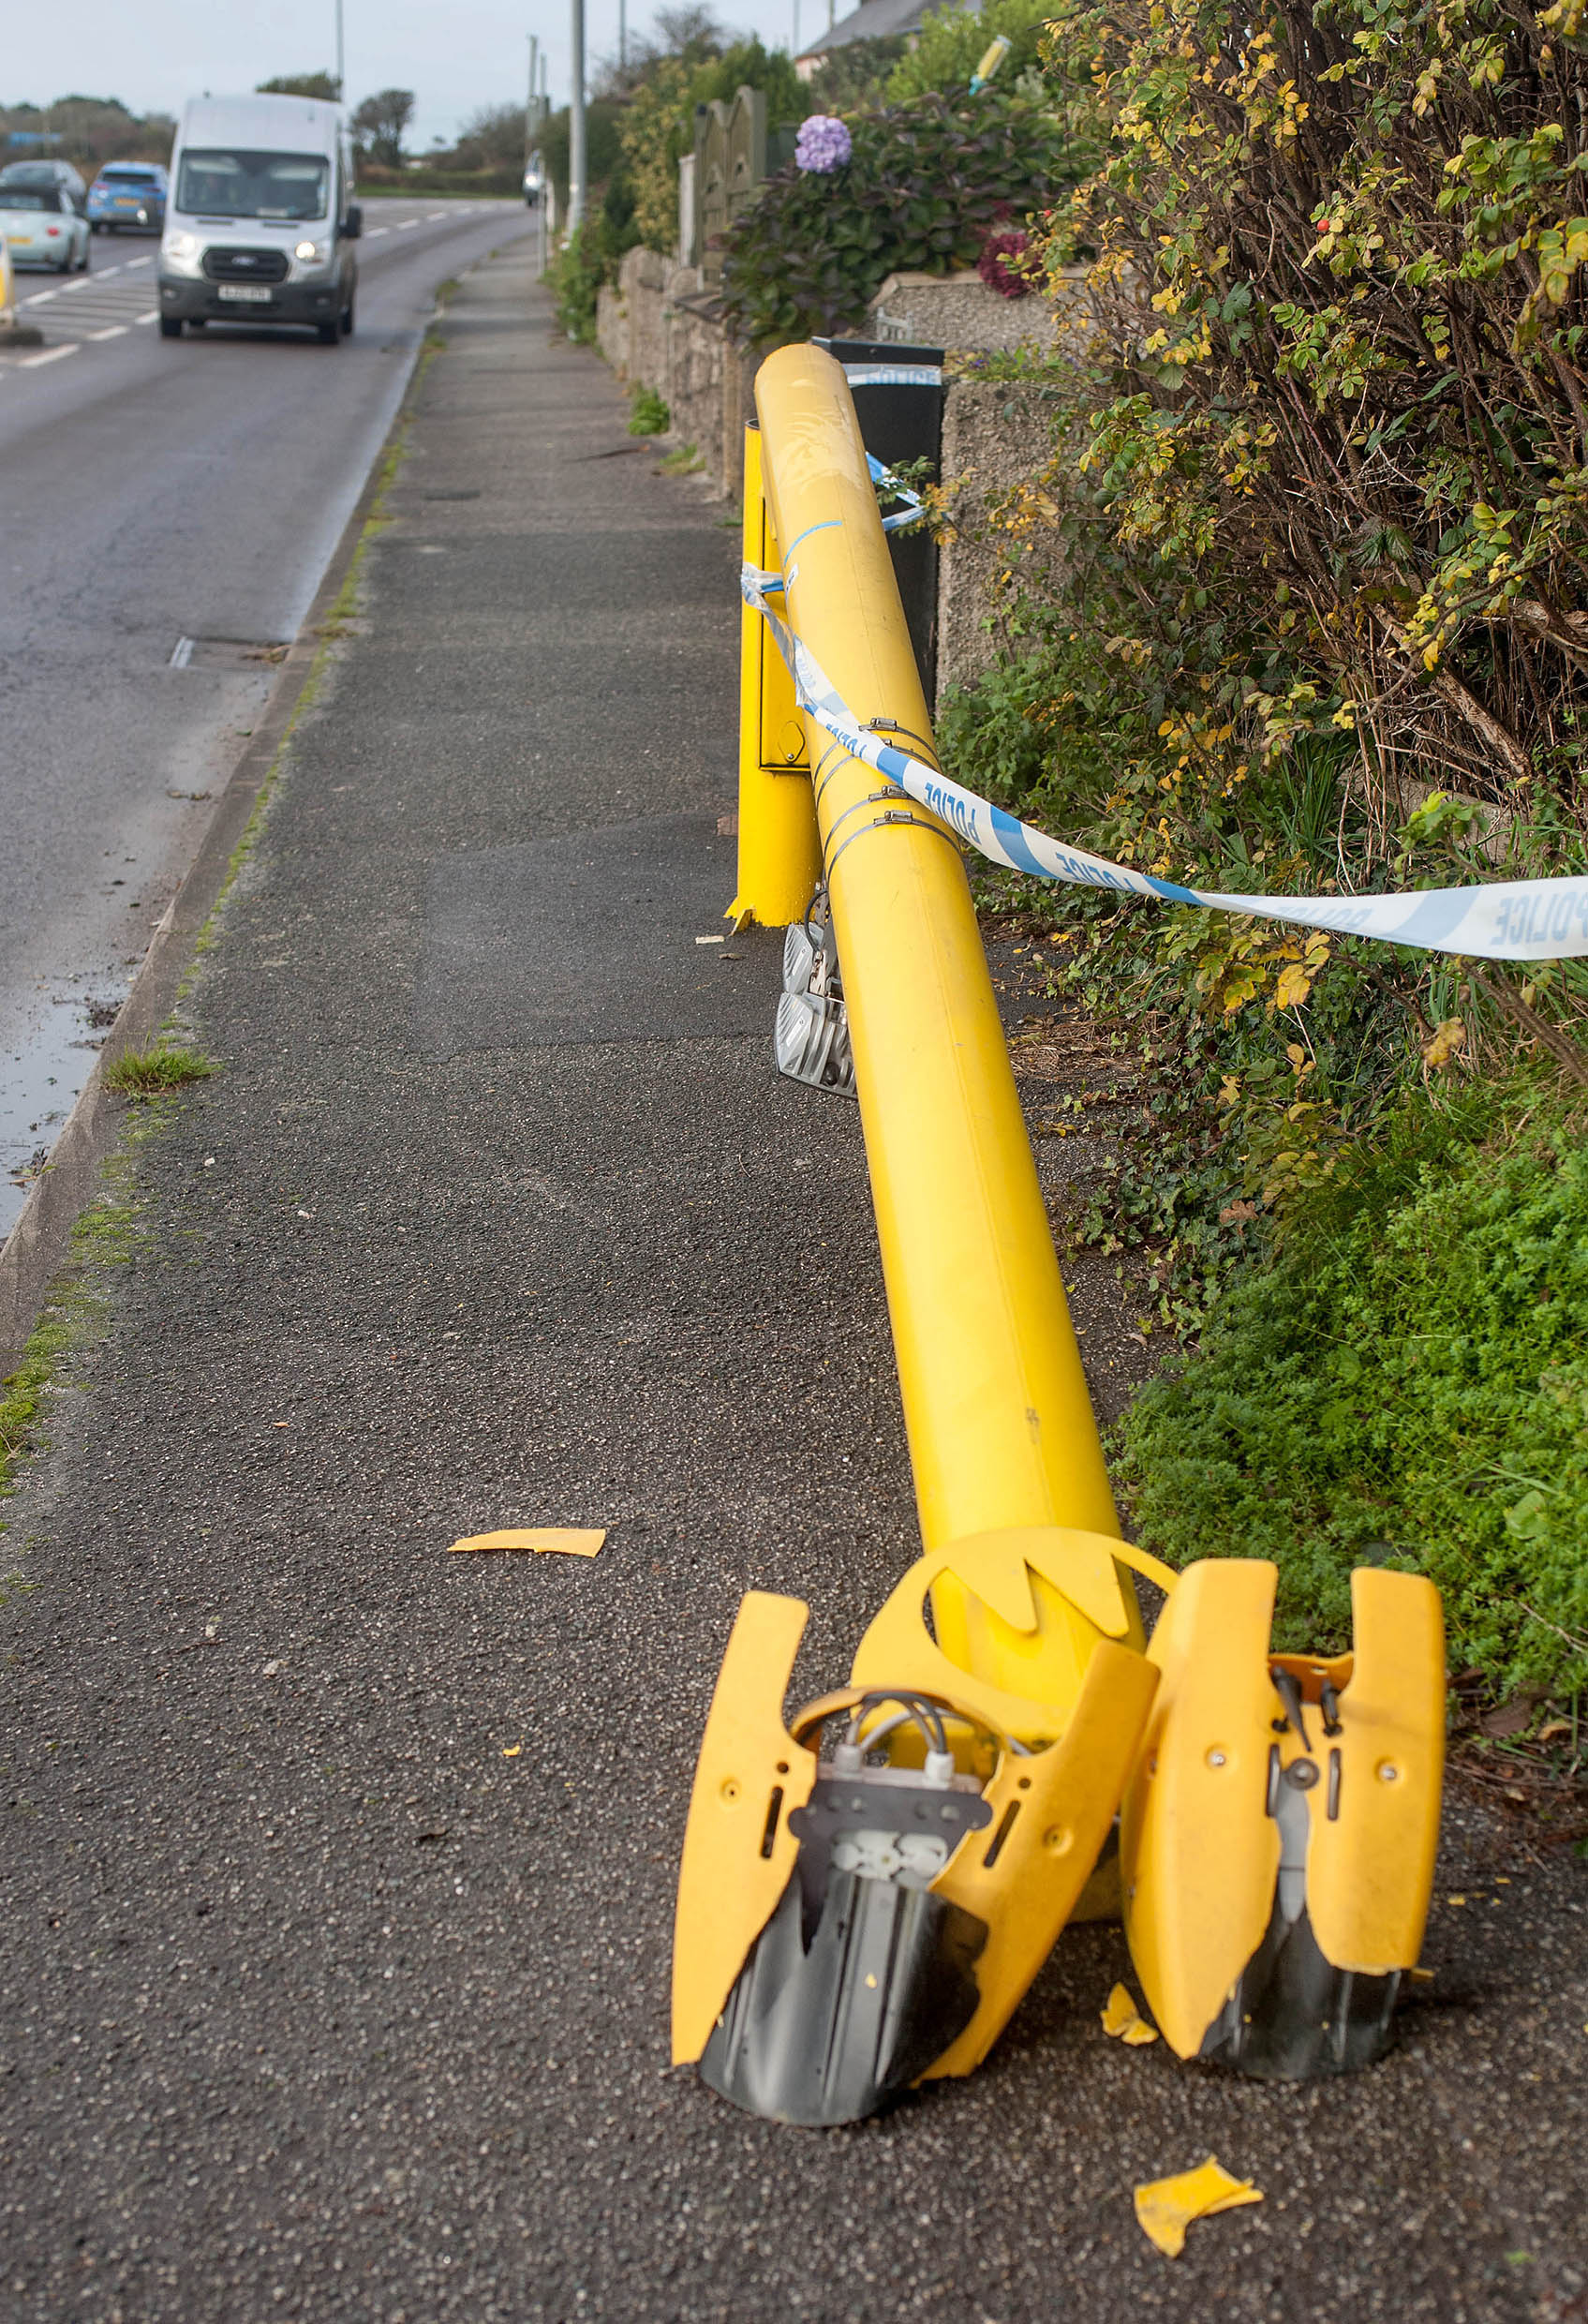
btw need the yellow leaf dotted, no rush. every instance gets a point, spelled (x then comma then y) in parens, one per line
(1123, 2022)
(573, 1541)
(1166, 2207)
(1447, 1039)
(1295, 983)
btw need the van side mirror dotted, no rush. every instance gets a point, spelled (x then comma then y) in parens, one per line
(353, 225)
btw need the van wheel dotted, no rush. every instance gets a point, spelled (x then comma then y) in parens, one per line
(348, 320)
(170, 326)
(327, 334)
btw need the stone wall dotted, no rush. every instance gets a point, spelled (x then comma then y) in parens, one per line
(659, 329)
(961, 312)
(996, 434)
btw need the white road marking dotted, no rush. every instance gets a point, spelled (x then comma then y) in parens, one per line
(39, 296)
(431, 215)
(153, 316)
(116, 331)
(181, 653)
(50, 354)
(132, 262)
(376, 231)
(103, 271)
(83, 282)
(407, 224)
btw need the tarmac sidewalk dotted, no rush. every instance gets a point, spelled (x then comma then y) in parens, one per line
(338, 1872)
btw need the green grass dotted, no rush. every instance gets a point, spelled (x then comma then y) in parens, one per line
(686, 461)
(1406, 1384)
(149, 1072)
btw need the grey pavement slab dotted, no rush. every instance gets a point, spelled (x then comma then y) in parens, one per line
(338, 1871)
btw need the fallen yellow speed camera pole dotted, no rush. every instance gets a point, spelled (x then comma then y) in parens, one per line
(869, 1887)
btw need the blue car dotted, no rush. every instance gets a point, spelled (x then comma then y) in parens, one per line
(130, 194)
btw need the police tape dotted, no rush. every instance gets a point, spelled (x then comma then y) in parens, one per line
(1505, 921)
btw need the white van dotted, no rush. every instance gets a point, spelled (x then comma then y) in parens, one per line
(260, 221)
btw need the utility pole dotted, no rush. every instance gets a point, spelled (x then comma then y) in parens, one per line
(623, 42)
(530, 105)
(577, 125)
(341, 67)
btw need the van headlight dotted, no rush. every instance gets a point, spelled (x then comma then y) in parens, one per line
(182, 253)
(311, 253)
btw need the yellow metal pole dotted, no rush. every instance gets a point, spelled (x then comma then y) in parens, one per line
(999, 1423)
(779, 855)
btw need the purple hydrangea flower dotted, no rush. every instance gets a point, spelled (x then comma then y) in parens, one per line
(823, 144)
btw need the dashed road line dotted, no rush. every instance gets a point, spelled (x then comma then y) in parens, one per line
(408, 225)
(153, 316)
(116, 331)
(50, 354)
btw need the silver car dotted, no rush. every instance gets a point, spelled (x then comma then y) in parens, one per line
(42, 229)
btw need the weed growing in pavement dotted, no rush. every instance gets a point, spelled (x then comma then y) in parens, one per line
(163, 1065)
(649, 415)
(686, 461)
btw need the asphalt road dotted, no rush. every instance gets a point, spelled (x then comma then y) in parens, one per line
(338, 1871)
(155, 493)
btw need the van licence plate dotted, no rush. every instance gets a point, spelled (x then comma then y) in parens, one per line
(250, 293)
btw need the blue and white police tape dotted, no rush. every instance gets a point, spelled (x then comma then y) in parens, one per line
(1506, 920)
(910, 514)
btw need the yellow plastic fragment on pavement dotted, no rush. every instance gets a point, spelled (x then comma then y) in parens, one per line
(573, 1541)
(1123, 2021)
(1166, 2207)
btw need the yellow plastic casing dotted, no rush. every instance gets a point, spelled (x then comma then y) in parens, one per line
(779, 855)
(1063, 1800)
(1018, 1614)
(738, 1851)
(1198, 1851)
(1369, 1867)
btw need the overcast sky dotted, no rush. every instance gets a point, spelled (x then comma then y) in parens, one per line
(455, 56)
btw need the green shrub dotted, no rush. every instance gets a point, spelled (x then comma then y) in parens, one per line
(1409, 1386)
(574, 275)
(657, 124)
(649, 415)
(926, 183)
(951, 42)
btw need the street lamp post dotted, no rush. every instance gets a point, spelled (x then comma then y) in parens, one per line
(577, 125)
(341, 67)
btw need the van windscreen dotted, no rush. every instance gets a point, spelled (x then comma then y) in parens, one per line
(231, 182)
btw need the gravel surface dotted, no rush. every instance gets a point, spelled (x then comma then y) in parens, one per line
(338, 1872)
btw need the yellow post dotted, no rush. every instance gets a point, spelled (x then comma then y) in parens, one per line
(999, 1423)
(779, 855)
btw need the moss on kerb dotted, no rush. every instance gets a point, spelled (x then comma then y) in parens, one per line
(109, 1234)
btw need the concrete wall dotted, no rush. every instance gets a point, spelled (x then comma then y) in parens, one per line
(996, 434)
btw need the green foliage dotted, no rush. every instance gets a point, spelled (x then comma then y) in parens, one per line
(855, 79)
(603, 152)
(1409, 1386)
(658, 125)
(927, 182)
(1338, 269)
(951, 42)
(649, 413)
(573, 278)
